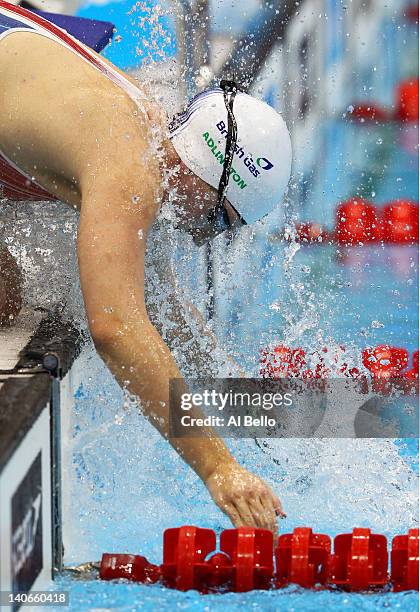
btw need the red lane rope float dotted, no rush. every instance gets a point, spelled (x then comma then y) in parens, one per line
(131, 567)
(251, 552)
(282, 362)
(406, 106)
(357, 222)
(184, 552)
(359, 561)
(405, 561)
(413, 372)
(383, 362)
(401, 222)
(407, 100)
(412, 11)
(360, 222)
(370, 112)
(303, 558)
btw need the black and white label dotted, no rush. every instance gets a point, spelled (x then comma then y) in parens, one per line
(26, 536)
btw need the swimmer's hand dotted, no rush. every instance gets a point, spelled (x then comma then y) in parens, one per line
(246, 499)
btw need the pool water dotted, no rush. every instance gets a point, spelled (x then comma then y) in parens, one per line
(103, 596)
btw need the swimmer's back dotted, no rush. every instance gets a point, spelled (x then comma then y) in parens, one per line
(62, 117)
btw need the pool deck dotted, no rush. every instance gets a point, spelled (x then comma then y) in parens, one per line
(14, 339)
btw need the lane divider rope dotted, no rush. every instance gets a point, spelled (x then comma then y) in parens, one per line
(359, 222)
(357, 561)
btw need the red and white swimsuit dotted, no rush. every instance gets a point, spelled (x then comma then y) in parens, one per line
(14, 183)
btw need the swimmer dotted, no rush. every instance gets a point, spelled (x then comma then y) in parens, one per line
(75, 127)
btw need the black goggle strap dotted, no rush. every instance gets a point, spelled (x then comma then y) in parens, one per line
(229, 87)
(232, 136)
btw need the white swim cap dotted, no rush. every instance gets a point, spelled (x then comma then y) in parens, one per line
(262, 161)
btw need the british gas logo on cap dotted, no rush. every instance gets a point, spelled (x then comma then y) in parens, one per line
(264, 163)
(247, 159)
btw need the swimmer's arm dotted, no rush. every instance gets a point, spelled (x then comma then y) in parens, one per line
(111, 261)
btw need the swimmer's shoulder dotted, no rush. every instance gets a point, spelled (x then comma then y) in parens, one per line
(70, 112)
(52, 73)
(30, 55)
(26, 53)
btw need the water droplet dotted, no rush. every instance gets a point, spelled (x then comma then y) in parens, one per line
(377, 324)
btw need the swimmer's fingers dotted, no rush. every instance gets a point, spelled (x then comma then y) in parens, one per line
(244, 497)
(255, 512)
(233, 514)
(268, 513)
(249, 518)
(278, 507)
(263, 511)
